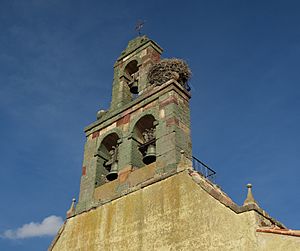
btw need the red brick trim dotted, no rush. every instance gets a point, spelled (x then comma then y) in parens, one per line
(83, 171)
(172, 121)
(124, 120)
(279, 231)
(95, 134)
(167, 101)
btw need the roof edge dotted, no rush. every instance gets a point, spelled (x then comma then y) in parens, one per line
(222, 197)
(275, 230)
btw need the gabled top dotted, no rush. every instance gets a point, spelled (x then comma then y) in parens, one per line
(131, 70)
(136, 43)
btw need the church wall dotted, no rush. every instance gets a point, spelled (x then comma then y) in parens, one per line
(277, 242)
(173, 214)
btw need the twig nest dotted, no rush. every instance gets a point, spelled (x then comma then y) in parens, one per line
(168, 69)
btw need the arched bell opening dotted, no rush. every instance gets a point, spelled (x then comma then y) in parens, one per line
(108, 158)
(144, 145)
(132, 74)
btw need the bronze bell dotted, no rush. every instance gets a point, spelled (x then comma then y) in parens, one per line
(113, 173)
(134, 88)
(150, 154)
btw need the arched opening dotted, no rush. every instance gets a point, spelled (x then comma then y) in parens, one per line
(132, 74)
(144, 143)
(131, 67)
(107, 162)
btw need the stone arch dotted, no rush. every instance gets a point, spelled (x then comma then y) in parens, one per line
(134, 58)
(143, 140)
(131, 67)
(107, 157)
(150, 112)
(130, 76)
(115, 130)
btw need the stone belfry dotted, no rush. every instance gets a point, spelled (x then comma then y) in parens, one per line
(142, 135)
(140, 189)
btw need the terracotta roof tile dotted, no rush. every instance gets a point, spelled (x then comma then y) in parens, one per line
(276, 230)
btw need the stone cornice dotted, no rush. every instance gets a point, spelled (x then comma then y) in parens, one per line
(136, 104)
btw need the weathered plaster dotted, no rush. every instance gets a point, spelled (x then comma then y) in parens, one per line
(172, 214)
(277, 242)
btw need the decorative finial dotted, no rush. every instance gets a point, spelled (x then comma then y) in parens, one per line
(139, 26)
(71, 211)
(182, 157)
(100, 113)
(250, 199)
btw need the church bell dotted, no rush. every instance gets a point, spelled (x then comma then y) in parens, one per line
(134, 88)
(113, 174)
(150, 155)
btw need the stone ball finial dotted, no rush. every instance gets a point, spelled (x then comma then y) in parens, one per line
(250, 199)
(71, 211)
(100, 113)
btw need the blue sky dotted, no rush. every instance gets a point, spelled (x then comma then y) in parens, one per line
(56, 61)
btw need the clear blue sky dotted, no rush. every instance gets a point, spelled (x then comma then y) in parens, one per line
(56, 60)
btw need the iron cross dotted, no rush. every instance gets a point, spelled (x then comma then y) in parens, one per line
(139, 26)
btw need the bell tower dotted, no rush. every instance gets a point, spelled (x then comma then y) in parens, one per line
(143, 134)
(141, 189)
(130, 70)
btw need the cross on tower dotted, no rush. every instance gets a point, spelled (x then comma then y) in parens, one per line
(139, 26)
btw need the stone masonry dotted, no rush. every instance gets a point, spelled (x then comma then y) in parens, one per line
(167, 104)
(127, 203)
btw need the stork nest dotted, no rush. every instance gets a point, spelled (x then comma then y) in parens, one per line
(168, 69)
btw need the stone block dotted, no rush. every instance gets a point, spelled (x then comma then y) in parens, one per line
(165, 143)
(106, 191)
(168, 101)
(142, 174)
(124, 173)
(170, 157)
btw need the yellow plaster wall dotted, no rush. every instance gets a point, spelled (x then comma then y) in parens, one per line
(278, 242)
(173, 214)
